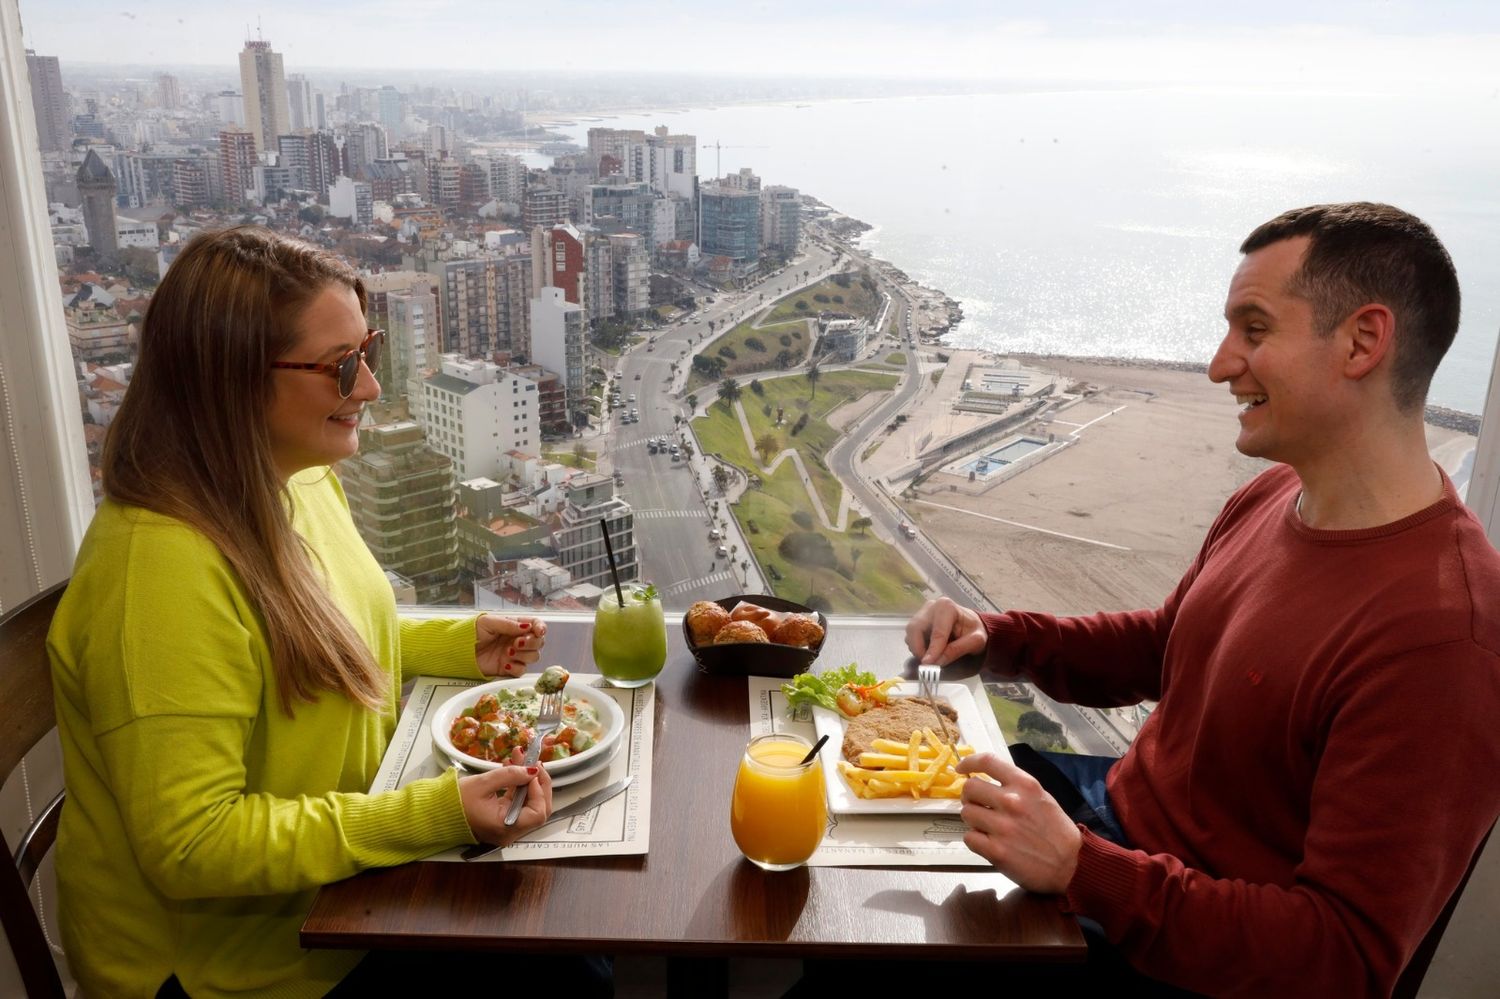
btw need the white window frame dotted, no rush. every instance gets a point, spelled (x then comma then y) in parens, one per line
(46, 495)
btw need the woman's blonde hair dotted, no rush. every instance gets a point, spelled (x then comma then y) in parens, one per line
(191, 441)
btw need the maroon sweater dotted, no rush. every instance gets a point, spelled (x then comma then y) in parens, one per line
(1325, 756)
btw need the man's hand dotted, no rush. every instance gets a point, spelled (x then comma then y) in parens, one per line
(505, 646)
(942, 631)
(486, 798)
(1017, 826)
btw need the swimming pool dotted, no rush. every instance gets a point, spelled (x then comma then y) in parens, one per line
(1008, 453)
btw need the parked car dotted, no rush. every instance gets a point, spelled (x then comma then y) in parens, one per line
(651, 446)
(715, 534)
(721, 552)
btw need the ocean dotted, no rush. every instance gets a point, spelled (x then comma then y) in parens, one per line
(1106, 222)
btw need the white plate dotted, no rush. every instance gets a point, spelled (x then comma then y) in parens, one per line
(597, 765)
(843, 801)
(609, 713)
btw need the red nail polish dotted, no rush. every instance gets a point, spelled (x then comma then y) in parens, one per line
(525, 625)
(531, 771)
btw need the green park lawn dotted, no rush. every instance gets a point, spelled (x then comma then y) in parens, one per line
(871, 576)
(857, 300)
(747, 360)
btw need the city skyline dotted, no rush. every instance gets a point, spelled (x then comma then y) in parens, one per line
(1344, 46)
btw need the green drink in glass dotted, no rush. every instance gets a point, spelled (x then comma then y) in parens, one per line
(630, 642)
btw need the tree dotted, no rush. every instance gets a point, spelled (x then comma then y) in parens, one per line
(692, 401)
(813, 374)
(687, 449)
(862, 524)
(721, 478)
(710, 325)
(580, 452)
(729, 392)
(767, 445)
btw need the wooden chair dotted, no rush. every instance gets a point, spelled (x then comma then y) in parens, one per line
(26, 693)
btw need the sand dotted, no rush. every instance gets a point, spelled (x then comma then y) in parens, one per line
(1127, 505)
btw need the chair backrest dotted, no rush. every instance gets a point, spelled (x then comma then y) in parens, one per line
(26, 693)
(1410, 982)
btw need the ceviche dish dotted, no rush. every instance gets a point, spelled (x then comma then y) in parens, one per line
(500, 722)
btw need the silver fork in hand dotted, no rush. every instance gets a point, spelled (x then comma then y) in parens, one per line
(548, 716)
(927, 683)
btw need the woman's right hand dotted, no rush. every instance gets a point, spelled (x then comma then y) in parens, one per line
(486, 798)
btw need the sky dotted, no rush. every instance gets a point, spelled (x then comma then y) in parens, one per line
(1359, 45)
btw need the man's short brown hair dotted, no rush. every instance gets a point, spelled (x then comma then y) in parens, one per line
(1361, 252)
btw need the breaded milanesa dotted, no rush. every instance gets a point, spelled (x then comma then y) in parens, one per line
(896, 720)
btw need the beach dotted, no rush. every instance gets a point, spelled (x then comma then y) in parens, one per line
(1112, 520)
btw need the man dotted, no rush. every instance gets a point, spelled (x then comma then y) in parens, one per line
(1322, 763)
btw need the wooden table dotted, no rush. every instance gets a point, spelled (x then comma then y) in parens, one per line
(694, 895)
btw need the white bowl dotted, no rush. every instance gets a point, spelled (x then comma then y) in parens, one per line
(610, 715)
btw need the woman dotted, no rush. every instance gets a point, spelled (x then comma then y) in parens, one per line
(228, 658)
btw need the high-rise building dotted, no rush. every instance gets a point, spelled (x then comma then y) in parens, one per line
(557, 261)
(674, 163)
(230, 105)
(780, 219)
(299, 100)
(401, 496)
(168, 92)
(437, 142)
(237, 163)
(731, 224)
(557, 341)
(444, 183)
(351, 199)
(389, 111)
(363, 144)
(475, 411)
(668, 163)
(312, 157)
(507, 177)
(49, 102)
(580, 547)
(413, 335)
(628, 202)
(485, 305)
(264, 86)
(543, 207)
(190, 183)
(631, 277)
(96, 186)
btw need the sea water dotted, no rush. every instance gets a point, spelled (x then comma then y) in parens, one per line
(1107, 222)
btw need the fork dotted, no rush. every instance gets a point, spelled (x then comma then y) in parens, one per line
(927, 684)
(548, 716)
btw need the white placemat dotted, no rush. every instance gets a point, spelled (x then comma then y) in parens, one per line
(876, 840)
(620, 826)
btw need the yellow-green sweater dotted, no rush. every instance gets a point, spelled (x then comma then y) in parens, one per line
(200, 819)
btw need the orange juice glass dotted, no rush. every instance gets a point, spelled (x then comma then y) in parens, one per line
(778, 815)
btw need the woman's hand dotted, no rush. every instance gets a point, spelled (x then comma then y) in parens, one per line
(486, 798)
(505, 646)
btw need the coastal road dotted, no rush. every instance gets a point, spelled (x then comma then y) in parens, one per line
(671, 514)
(1088, 731)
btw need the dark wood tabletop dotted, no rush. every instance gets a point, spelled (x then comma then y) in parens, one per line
(693, 895)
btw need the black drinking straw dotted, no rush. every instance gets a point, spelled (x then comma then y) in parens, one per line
(610, 551)
(813, 751)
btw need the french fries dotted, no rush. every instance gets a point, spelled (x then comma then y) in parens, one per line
(921, 767)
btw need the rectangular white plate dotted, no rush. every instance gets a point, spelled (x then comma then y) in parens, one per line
(843, 801)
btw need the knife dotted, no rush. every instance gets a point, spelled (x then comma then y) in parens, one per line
(589, 801)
